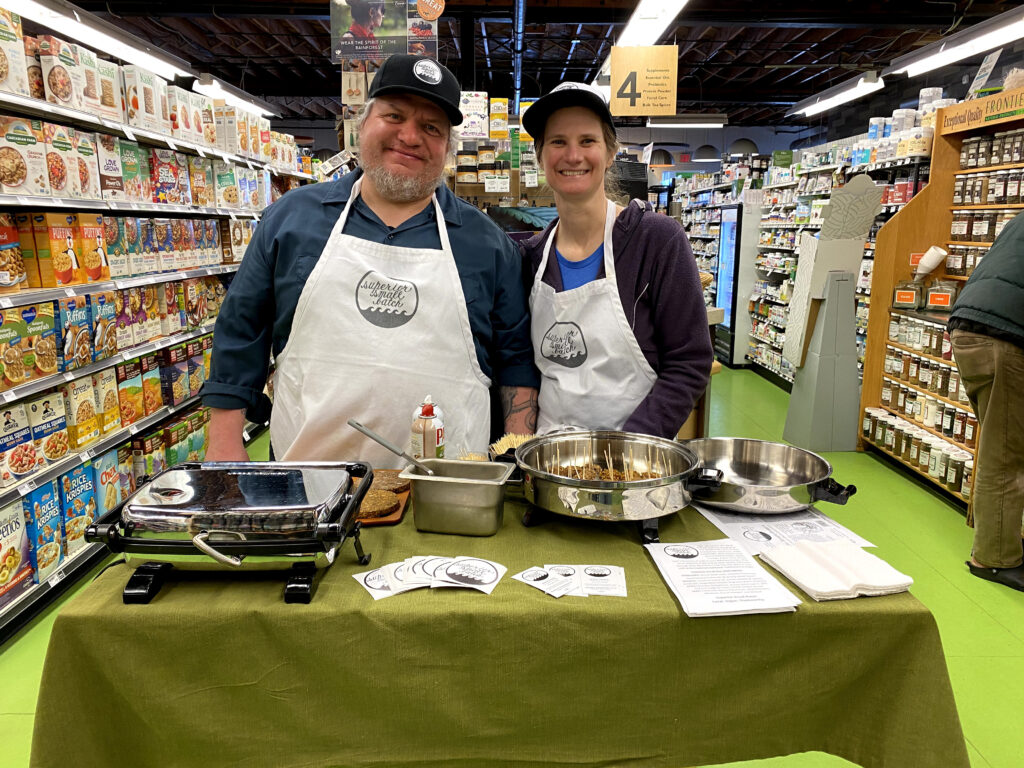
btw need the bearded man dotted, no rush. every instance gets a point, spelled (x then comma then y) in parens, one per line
(372, 292)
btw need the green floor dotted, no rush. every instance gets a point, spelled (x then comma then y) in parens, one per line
(982, 624)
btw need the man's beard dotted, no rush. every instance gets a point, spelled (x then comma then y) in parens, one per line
(399, 188)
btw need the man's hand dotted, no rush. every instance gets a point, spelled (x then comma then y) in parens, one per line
(226, 436)
(519, 409)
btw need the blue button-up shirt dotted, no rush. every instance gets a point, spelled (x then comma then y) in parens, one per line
(256, 316)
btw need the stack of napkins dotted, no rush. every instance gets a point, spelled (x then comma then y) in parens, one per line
(576, 580)
(835, 570)
(431, 571)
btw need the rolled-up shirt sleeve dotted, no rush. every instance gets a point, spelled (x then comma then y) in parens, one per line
(243, 333)
(513, 360)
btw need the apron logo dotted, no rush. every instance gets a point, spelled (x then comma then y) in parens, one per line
(564, 344)
(385, 301)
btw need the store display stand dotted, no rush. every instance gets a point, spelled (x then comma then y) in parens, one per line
(822, 414)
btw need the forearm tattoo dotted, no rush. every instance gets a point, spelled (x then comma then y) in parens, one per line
(519, 407)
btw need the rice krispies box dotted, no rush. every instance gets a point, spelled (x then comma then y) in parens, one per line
(15, 74)
(111, 169)
(77, 505)
(108, 405)
(80, 411)
(17, 450)
(103, 317)
(41, 508)
(62, 160)
(23, 169)
(15, 561)
(106, 479)
(129, 391)
(74, 322)
(174, 383)
(49, 427)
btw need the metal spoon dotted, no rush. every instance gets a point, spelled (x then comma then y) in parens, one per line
(390, 446)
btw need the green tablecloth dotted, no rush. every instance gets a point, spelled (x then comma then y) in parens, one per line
(222, 673)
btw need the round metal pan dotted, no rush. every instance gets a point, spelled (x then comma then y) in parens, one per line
(762, 477)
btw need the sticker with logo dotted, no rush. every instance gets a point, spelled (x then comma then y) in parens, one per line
(564, 344)
(385, 301)
(428, 71)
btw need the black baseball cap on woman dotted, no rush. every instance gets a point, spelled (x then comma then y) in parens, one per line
(419, 75)
(561, 96)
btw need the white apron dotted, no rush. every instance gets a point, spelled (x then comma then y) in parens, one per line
(593, 373)
(376, 329)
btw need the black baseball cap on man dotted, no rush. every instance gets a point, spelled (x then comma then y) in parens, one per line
(419, 75)
(561, 96)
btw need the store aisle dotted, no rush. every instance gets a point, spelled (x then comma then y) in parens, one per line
(982, 624)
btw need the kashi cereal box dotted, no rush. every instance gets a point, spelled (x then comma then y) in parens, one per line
(111, 90)
(93, 263)
(136, 180)
(142, 98)
(74, 323)
(80, 411)
(152, 399)
(41, 508)
(23, 164)
(17, 449)
(103, 315)
(62, 77)
(125, 315)
(129, 391)
(115, 235)
(88, 164)
(12, 264)
(124, 469)
(163, 110)
(14, 73)
(77, 504)
(49, 427)
(41, 335)
(15, 561)
(106, 479)
(111, 168)
(29, 258)
(90, 79)
(62, 160)
(174, 382)
(108, 406)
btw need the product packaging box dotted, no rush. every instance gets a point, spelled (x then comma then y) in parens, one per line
(88, 164)
(196, 369)
(103, 318)
(111, 169)
(125, 316)
(137, 187)
(14, 349)
(106, 478)
(49, 427)
(63, 79)
(15, 79)
(80, 410)
(62, 161)
(115, 235)
(148, 259)
(129, 391)
(90, 79)
(203, 106)
(17, 449)
(152, 399)
(78, 505)
(41, 335)
(227, 193)
(111, 90)
(34, 68)
(15, 561)
(74, 341)
(124, 468)
(142, 98)
(148, 456)
(41, 508)
(93, 266)
(12, 266)
(174, 382)
(23, 155)
(108, 404)
(27, 243)
(56, 249)
(176, 442)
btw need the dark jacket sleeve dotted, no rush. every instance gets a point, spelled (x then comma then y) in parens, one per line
(669, 287)
(513, 364)
(243, 333)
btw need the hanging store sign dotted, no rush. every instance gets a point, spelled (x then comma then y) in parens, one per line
(991, 110)
(372, 30)
(644, 80)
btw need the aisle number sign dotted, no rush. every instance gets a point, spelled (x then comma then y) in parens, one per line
(644, 80)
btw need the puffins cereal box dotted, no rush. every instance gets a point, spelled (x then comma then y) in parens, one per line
(93, 248)
(41, 508)
(77, 504)
(75, 337)
(103, 314)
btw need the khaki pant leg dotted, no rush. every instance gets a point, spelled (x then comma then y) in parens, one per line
(993, 375)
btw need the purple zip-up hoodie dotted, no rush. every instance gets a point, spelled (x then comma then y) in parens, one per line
(664, 304)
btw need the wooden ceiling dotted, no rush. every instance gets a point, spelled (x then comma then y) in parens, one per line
(752, 60)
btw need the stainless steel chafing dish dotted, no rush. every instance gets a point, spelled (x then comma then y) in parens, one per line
(237, 516)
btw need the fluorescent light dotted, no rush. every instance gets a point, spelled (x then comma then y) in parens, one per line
(92, 31)
(695, 120)
(648, 23)
(991, 33)
(840, 94)
(214, 88)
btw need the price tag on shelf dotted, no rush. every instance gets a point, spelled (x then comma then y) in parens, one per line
(58, 201)
(170, 144)
(128, 132)
(200, 151)
(530, 178)
(134, 206)
(69, 376)
(249, 163)
(6, 303)
(57, 577)
(27, 487)
(133, 429)
(231, 215)
(69, 292)
(496, 184)
(8, 396)
(22, 200)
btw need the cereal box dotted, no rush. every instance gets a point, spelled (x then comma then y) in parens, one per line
(17, 449)
(125, 333)
(103, 318)
(27, 243)
(197, 448)
(92, 252)
(108, 406)
(163, 170)
(110, 168)
(133, 305)
(56, 248)
(226, 184)
(135, 232)
(196, 369)
(163, 109)
(13, 349)
(176, 442)
(237, 228)
(129, 391)
(62, 77)
(14, 73)
(74, 349)
(263, 124)
(207, 355)
(88, 164)
(62, 160)
(135, 188)
(170, 309)
(147, 261)
(144, 175)
(248, 189)
(201, 181)
(213, 241)
(179, 106)
(90, 79)
(151, 312)
(148, 456)
(195, 303)
(49, 427)
(124, 469)
(184, 184)
(77, 504)
(141, 97)
(228, 134)
(41, 508)
(189, 253)
(80, 411)
(166, 257)
(115, 235)
(15, 561)
(35, 70)
(12, 265)
(152, 399)
(42, 338)
(202, 106)
(174, 382)
(23, 169)
(106, 480)
(111, 88)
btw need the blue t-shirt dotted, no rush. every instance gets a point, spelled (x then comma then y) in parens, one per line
(577, 273)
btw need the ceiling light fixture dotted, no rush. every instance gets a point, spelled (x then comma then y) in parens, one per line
(706, 153)
(742, 147)
(648, 23)
(689, 120)
(70, 21)
(991, 33)
(215, 89)
(867, 83)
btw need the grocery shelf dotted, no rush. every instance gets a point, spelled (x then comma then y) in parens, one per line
(789, 226)
(78, 204)
(783, 185)
(820, 169)
(768, 368)
(922, 314)
(763, 319)
(970, 243)
(926, 428)
(769, 342)
(769, 299)
(774, 270)
(886, 165)
(927, 393)
(918, 353)
(776, 247)
(914, 468)
(984, 169)
(992, 207)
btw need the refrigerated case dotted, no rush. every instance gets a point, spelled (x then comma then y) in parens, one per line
(734, 277)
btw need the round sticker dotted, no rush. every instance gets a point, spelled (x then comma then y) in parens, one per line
(430, 10)
(428, 71)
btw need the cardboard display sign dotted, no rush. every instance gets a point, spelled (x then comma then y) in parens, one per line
(644, 80)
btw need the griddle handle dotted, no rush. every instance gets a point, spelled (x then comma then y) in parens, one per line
(831, 491)
(705, 480)
(334, 531)
(105, 534)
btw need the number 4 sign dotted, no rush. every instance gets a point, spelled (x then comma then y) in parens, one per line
(644, 80)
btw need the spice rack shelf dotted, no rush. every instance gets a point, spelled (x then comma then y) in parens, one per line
(927, 393)
(932, 430)
(918, 353)
(915, 469)
(985, 169)
(971, 243)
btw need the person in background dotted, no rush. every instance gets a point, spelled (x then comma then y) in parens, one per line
(619, 328)
(339, 127)
(372, 292)
(986, 328)
(366, 18)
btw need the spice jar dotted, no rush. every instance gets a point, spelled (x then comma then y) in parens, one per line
(969, 153)
(981, 184)
(1013, 179)
(905, 366)
(880, 430)
(955, 470)
(954, 384)
(1003, 218)
(865, 424)
(948, 417)
(886, 393)
(924, 374)
(996, 154)
(968, 479)
(912, 376)
(959, 425)
(984, 150)
(983, 226)
(910, 404)
(485, 154)
(1016, 147)
(894, 328)
(899, 435)
(924, 453)
(901, 398)
(997, 188)
(955, 260)
(970, 259)
(938, 332)
(940, 377)
(958, 229)
(958, 190)
(890, 434)
(934, 455)
(971, 431)
(947, 345)
(908, 442)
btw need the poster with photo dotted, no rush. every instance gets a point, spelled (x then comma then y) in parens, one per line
(368, 29)
(422, 34)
